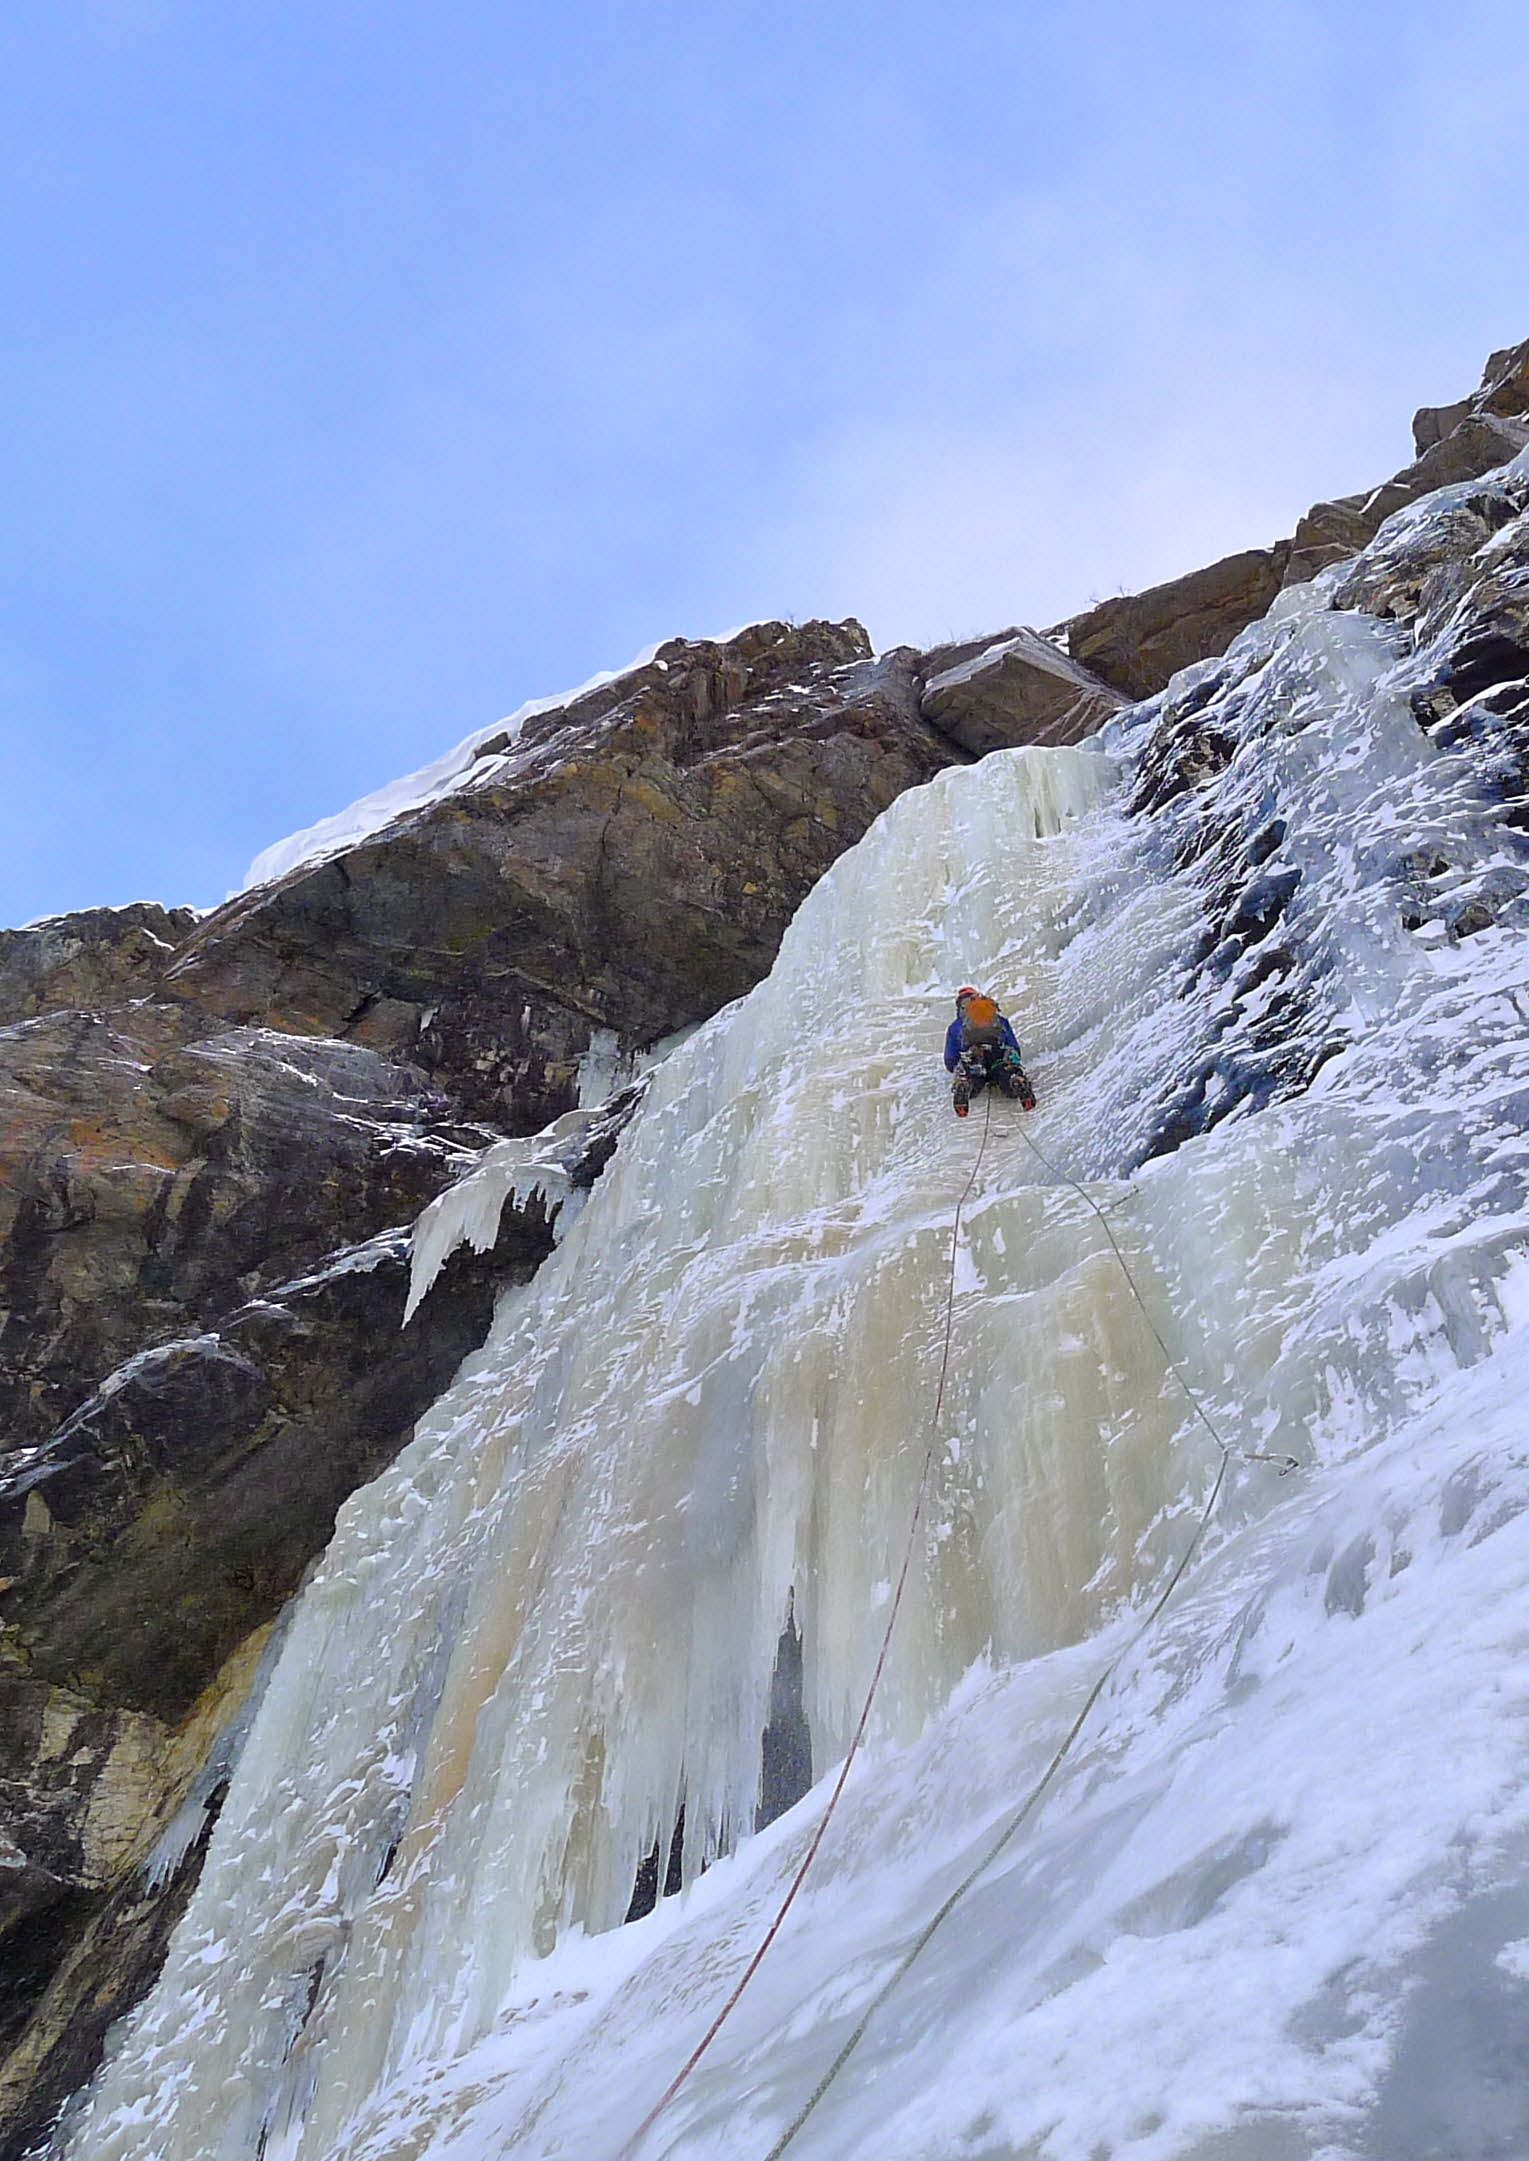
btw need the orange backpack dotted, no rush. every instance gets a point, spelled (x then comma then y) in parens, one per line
(979, 1017)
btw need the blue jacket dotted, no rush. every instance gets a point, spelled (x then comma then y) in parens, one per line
(954, 1045)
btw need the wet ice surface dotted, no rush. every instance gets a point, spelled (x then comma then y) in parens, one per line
(1273, 1906)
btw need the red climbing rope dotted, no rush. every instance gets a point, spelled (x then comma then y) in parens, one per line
(730, 2004)
(1027, 1807)
(1021, 1815)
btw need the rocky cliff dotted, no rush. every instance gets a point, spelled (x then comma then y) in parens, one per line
(216, 1131)
(1136, 643)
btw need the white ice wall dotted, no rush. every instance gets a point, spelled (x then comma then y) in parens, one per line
(558, 1612)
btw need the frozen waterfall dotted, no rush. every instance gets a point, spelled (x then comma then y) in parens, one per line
(552, 1632)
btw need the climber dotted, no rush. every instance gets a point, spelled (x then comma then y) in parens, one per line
(980, 1046)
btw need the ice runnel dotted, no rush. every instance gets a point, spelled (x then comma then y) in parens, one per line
(552, 1632)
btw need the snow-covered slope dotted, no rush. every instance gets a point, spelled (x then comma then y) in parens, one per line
(1267, 950)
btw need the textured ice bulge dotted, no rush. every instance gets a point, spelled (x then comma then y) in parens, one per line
(1285, 1857)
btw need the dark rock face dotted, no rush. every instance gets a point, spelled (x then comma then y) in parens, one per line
(151, 1537)
(145, 1551)
(629, 864)
(1136, 644)
(147, 1547)
(150, 1185)
(89, 1959)
(96, 958)
(1016, 689)
(177, 1509)
(96, 1940)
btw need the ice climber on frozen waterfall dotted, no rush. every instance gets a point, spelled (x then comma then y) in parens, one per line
(980, 1046)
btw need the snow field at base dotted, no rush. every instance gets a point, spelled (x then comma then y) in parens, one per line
(558, 1612)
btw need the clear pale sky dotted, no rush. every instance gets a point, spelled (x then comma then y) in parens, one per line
(369, 366)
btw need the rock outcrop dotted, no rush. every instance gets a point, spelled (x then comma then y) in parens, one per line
(1138, 642)
(146, 1549)
(627, 864)
(1477, 444)
(88, 1917)
(99, 957)
(194, 1378)
(151, 1184)
(1017, 688)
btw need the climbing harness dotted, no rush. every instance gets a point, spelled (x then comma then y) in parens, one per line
(799, 1878)
(1037, 1792)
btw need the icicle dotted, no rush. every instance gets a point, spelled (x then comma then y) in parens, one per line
(513, 1171)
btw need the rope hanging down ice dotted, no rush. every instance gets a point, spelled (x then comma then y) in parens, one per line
(1033, 1798)
(720, 2020)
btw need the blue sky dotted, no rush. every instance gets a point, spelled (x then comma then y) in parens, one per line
(370, 366)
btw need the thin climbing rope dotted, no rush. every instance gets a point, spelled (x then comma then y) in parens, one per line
(1033, 1798)
(1022, 1814)
(799, 1878)
(1285, 1462)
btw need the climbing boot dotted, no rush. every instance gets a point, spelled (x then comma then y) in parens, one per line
(961, 1096)
(1015, 1083)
